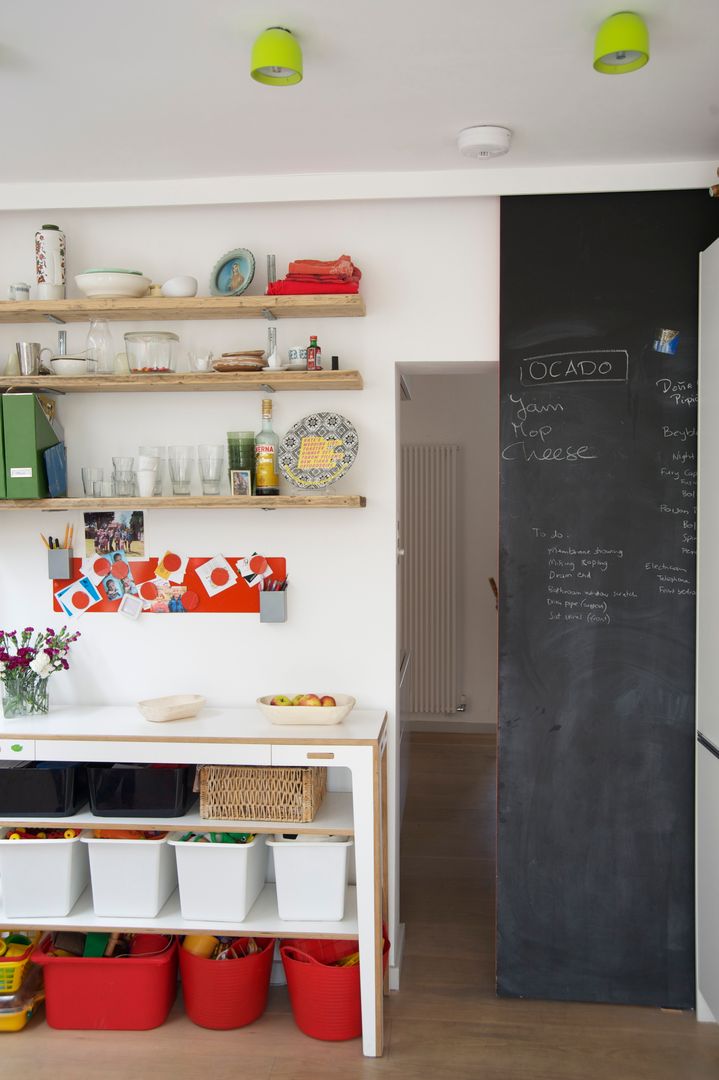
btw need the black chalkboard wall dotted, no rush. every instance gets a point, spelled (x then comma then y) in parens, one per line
(597, 594)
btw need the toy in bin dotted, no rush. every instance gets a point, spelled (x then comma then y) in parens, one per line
(17, 1008)
(21, 987)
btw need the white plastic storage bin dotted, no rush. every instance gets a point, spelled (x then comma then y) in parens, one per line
(219, 881)
(131, 878)
(42, 877)
(311, 876)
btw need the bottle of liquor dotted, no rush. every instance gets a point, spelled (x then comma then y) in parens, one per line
(314, 355)
(267, 482)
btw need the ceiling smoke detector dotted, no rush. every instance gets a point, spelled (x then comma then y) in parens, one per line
(484, 141)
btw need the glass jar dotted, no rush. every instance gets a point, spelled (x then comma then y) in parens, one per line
(152, 352)
(23, 693)
(100, 348)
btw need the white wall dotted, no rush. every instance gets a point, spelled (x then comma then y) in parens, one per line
(430, 282)
(463, 408)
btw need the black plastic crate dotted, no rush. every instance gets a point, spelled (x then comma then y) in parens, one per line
(43, 789)
(139, 790)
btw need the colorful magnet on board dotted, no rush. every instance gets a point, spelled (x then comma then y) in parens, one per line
(216, 575)
(96, 567)
(120, 570)
(254, 568)
(190, 600)
(79, 597)
(172, 567)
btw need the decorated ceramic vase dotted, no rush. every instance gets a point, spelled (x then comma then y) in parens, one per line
(50, 263)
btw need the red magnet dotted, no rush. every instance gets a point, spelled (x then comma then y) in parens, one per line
(219, 576)
(258, 564)
(190, 600)
(101, 566)
(148, 591)
(80, 599)
(172, 562)
(120, 570)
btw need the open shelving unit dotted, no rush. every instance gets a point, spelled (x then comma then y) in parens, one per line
(268, 381)
(192, 502)
(166, 309)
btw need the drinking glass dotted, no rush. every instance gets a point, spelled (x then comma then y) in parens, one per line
(147, 467)
(160, 454)
(200, 360)
(180, 460)
(124, 481)
(123, 464)
(103, 489)
(211, 458)
(91, 476)
(241, 451)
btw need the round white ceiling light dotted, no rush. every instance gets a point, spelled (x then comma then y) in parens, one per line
(484, 141)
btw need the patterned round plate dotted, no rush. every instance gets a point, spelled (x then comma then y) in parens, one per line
(318, 449)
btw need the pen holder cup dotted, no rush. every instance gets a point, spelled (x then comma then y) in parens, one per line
(59, 563)
(273, 606)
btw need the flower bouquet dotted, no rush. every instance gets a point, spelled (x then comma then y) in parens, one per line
(26, 665)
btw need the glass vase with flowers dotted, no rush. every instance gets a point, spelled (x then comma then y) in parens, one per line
(27, 660)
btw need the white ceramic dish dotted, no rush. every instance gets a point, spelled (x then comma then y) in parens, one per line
(308, 714)
(68, 365)
(180, 286)
(178, 707)
(110, 285)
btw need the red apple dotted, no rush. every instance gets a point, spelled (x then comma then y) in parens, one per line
(297, 699)
(281, 699)
(328, 701)
(310, 699)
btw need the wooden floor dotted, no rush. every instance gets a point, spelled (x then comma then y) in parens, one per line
(446, 1022)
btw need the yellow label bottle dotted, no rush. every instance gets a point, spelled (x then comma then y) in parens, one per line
(267, 481)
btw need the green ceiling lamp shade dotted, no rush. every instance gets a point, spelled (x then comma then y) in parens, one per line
(622, 44)
(276, 58)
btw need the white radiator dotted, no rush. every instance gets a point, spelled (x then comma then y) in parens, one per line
(429, 576)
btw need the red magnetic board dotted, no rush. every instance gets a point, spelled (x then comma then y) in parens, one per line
(239, 598)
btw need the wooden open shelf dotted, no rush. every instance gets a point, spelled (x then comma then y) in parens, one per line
(166, 309)
(267, 381)
(193, 502)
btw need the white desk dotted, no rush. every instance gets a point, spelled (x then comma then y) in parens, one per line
(239, 737)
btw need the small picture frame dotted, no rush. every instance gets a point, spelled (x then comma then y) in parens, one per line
(241, 481)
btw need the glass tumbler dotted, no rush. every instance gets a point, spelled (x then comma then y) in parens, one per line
(241, 451)
(180, 460)
(124, 481)
(103, 489)
(90, 477)
(211, 459)
(160, 453)
(147, 467)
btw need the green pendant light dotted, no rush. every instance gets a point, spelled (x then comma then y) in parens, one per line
(622, 44)
(276, 58)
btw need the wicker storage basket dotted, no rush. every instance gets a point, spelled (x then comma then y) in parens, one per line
(261, 793)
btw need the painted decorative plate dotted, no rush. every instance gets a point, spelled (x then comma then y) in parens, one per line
(232, 273)
(317, 450)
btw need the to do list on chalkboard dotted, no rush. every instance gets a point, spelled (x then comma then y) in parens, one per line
(597, 595)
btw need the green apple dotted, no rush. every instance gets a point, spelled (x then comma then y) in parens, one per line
(281, 699)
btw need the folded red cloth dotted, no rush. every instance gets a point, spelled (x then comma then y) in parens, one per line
(303, 288)
(342, 269)
(320, 277)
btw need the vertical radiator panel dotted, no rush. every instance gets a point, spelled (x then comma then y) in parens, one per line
(429, 576)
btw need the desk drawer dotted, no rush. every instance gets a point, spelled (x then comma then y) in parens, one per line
(17, 749)
(317, 755)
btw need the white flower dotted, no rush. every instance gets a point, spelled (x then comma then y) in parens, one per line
(2, 666)
(42, 665)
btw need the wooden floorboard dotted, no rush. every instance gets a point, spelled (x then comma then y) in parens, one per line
(446, 1023)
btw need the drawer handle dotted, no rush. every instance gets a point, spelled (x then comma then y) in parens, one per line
(321, 757)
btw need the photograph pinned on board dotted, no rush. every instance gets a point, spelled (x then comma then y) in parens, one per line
(172, 567)
(169, 599)
(119, 582)
(115, 530)
(216, 575)
(241, 481)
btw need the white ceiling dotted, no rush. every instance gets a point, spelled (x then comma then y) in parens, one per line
(96, 90)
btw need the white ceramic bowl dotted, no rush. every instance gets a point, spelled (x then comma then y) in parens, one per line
(177, 707)
(110, 286)
(307, 714)
(180, 286)
(68, 365)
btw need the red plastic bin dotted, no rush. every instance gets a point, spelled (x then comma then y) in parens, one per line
(325, 1000)
(131, 993)
(224, 994)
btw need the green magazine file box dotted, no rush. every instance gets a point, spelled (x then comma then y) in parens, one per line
(3, 494)
(27, 433)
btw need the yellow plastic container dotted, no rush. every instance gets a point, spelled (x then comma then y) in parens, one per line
(17, 1008)
(12, 970)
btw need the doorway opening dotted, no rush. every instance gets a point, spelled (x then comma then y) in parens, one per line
(447, 528)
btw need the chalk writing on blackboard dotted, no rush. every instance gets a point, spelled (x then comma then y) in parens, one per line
(587, 365)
